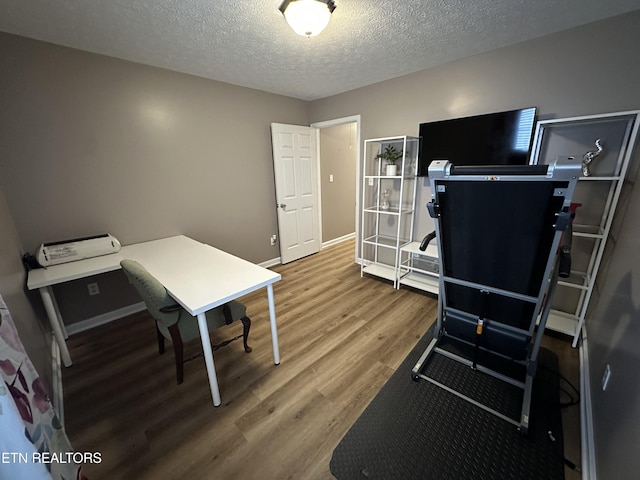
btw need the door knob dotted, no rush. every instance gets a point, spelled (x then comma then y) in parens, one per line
(282, 205)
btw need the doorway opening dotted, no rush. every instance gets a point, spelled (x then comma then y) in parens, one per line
(338, 172)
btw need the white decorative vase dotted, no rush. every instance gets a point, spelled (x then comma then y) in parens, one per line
(392, 170)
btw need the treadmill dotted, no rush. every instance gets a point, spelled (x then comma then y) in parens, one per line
(503, 236)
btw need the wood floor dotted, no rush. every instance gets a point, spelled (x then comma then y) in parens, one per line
(341, 337)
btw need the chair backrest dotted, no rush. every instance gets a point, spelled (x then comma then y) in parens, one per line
(153, 293)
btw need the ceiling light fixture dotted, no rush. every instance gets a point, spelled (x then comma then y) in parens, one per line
(307, 17)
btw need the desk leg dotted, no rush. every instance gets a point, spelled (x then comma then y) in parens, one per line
(274, 328)
(56, 323)
(56, 380)
(208, 359)
(57, 308)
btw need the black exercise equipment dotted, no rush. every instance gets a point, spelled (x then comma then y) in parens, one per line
(499, 231)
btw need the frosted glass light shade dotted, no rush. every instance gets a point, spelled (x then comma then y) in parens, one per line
(307, 17)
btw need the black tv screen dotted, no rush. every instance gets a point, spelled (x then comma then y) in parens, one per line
(502, 138)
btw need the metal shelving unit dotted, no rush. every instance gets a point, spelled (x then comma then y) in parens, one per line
(598, 195)
(419, 269)
(388, 205)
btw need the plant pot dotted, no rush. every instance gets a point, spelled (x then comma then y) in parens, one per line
(392, 170)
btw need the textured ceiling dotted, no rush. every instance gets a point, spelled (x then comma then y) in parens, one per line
(248, 42)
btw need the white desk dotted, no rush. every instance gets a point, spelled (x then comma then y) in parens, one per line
(198, 276)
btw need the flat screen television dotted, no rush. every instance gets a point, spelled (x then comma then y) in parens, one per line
(502, 138)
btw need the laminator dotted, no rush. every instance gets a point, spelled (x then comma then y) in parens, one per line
(55, 253)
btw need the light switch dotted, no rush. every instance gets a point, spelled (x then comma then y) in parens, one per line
(331, 178)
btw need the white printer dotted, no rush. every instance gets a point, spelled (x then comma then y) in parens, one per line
(54, 253)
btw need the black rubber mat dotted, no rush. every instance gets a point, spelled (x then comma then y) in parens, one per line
(416, 430)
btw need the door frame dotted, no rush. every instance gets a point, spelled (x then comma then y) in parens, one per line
(332, 123)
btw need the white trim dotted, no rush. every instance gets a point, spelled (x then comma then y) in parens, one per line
(319, 182)
(337, 121)
(270, 263)
(341, 239)
(103, 318)
(277, 261)
(587, 445)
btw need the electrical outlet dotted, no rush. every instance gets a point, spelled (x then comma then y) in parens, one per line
(273, 240)
(93, 288)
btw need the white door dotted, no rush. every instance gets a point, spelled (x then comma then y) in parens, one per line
(295, 163)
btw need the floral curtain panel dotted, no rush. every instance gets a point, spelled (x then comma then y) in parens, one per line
(33, 444)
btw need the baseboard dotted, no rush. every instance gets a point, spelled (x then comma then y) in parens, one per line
(270, 263)
(105, 318)
(335, 241)
(587, 445)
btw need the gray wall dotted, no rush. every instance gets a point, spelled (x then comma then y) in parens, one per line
(588, 70)
(338, 158)
(32, 332)
(91, 144)
(614, 338)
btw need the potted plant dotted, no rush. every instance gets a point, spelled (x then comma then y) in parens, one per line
(391, 155)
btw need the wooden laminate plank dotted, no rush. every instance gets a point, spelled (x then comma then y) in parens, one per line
(341, 337)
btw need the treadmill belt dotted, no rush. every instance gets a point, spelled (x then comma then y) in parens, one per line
(416, 430)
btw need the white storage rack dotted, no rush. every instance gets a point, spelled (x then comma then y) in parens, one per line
(419, 269)
(598, 193)
(387, 228)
